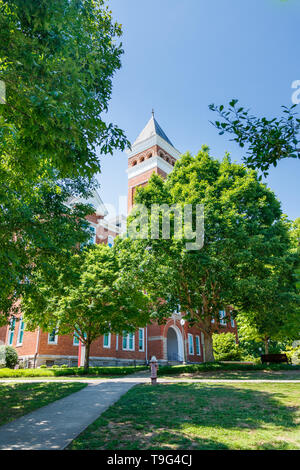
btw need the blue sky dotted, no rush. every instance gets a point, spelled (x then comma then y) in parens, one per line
(182, 55)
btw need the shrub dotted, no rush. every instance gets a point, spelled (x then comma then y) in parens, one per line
(8, 357)
(218, 366)
(293, 354)
(70, 371)
(225, 347)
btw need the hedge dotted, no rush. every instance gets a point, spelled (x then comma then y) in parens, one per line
(70, 371)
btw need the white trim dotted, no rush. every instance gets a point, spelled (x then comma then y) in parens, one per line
(55, 339)
(147, 165)
(179, 341)
(109, 341)
(127, 348)
(75, 337)
(150, 142)
(117, 342)
(198, 343)
(109, 226)
(222, 315)
(193, 351)
(12, 323)
(143, 339)
(20, 331)
(232, 322)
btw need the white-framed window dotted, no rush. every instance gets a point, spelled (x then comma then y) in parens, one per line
(141, 339)
(191, 344)
(75, 339)
(198, 348)
(53, 337)
(117, 342)
(106, 340)
(232, 322)
(12, 325)
(20, 332)
(222, 315)
(110, 241)
(128, 341)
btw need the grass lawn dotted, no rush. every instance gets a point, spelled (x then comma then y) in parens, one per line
(18, 399)
(240, 375)
(199, 416)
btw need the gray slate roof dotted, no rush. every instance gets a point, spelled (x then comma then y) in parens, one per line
(152, 128)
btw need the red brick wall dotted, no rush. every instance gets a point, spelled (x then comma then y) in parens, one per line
(3, 333)
(141, 180)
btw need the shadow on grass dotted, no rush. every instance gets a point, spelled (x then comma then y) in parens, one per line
(187, 416)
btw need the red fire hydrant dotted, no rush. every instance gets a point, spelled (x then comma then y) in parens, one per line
(154, 367)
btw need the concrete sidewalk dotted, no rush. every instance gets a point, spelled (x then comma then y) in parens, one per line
(54, 426)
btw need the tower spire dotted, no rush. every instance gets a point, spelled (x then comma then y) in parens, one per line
(153, 113)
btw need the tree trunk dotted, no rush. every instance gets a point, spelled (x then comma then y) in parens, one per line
(266, 341)
(87, 357)
(209, 352)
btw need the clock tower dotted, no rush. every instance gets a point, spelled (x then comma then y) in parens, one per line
(152, 152)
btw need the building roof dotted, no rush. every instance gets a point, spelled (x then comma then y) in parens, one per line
(95, 201)
(152, 128)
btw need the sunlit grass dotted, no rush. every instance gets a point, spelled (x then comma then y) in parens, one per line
(199, 416)
(19, 399)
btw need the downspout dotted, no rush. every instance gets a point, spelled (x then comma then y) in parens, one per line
(36, 348)
(146, 344)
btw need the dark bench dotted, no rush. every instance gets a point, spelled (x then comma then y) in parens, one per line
(274, 358)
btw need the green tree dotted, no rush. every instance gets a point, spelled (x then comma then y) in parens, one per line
(225, 347)
(37, 228)
(244, 231)
(97, 291)
(268, 140)
(57, 60)
(274, 313)
(295, 236)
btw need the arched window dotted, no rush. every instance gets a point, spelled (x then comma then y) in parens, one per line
(149, 156)
(134, 163)
(110, 241)
(142, 159)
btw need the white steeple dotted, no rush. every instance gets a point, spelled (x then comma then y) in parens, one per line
(151, 129)
(151, 135)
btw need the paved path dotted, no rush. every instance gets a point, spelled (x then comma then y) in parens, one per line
(54, 426)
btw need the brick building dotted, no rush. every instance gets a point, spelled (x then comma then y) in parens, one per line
(174, 341)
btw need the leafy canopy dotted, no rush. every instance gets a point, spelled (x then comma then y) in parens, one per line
(244, 235)
(57, 60)
(97, 291)
(268, 140)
